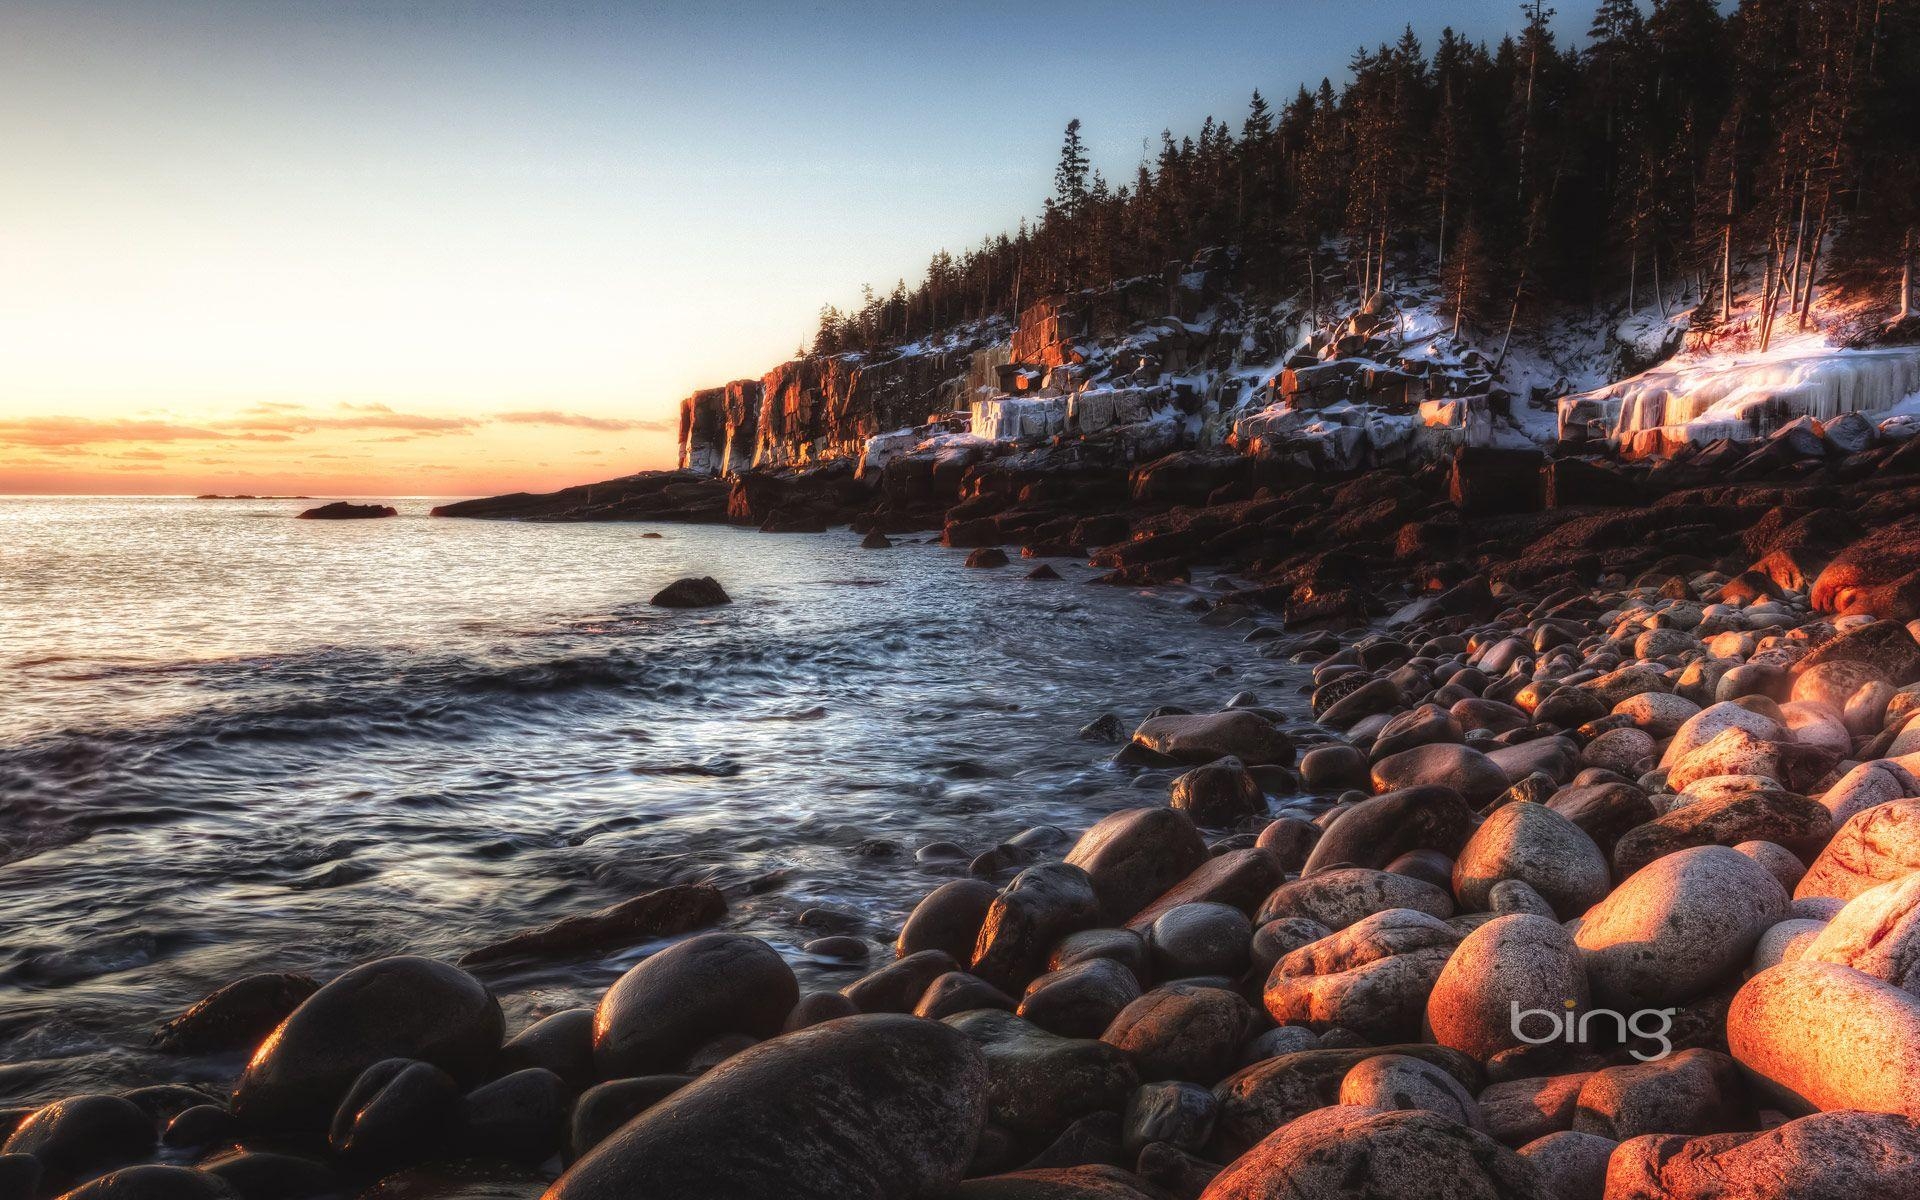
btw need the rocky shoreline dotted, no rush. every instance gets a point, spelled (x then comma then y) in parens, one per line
(1586, 870)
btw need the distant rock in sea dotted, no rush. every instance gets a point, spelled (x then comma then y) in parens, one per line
(692, 592)
(340, 510)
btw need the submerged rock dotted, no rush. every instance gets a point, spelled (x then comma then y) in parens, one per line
(691, 592)
(341, 510)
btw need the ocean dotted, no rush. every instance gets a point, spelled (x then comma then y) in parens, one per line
(232, 741)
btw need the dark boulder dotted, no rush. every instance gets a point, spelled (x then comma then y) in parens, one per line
(340, 510)
(691, 592)
(237, 1017)
(657, 1014)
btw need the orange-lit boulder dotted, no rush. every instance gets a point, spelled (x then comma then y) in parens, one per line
(1826, 1036)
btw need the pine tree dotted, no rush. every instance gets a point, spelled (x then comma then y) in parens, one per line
(1070, 177)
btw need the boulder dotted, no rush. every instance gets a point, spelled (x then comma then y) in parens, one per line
(1136, 855)
(81, 1136)
(1043, 904)
(1476, 778)
(1572, 1165)
(404, 1007)
(239, 1016)
(948, 918)
(1179, 1114)
(1400, 1156)
(1240, 878)
(665, 912)
(865, 1108)
(1375, 832)
(155, 1182)
(1096, 1181)
(561, 1043)
(1603, 811)
(1219, 795)
(1080, 1001)
(1264, 1096)
(341, 510)
(1877, 933)
(691, 592)
(1761, 813)
(1876, 845)
(1340, 896)
(1539, 847)
(1508, 967)
(657, 1014)
(1678, 927)
(1401, 1082)
(1826, 1036)
(1038, 1083)
(1202, 738)
(605, 1107)
(1826, 1156)
(1520, 1110)
(1182, 1031)
(898, 986)
(1372, 977)
(1200, 939)
(1694, 1091)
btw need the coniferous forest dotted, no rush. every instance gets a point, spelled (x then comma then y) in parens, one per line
(1676, 148)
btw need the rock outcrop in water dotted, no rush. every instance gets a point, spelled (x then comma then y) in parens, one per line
(341, 510)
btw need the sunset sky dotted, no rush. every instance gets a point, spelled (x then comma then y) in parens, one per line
(457, 248)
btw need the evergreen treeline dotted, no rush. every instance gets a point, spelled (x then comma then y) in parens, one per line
(1677, 149)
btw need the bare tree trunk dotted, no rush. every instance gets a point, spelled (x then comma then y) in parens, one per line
(1906, 276)
(1659, 296)
(1440, 258)
(1633, 277)
(1813, 257)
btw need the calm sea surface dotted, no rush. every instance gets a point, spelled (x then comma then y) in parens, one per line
(231, 741)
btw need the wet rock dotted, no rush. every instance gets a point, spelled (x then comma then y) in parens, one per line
(1466, 771)
(1400, 1082)
(561, 1043)
(1826, 1156)
(1136, 855)
(1827, 1036)
(870, 1106)
(1372, 977)
(1694, 1091)
(1182, 1031)
(155, 1182)
(1517, 963)
(1375, 832)
(1218, 795)
(341, 510)
(1043, 904)
(875, 540)
(201, 1125)
(898, 986)
(1538, 846)
(1876, 845)
(1123, 946)
(1199, 939)
(82, 1136)
(668, 912)
(1093, 1140)
(520, 1117)
(957, 992)
(948, 918)
(658, 1013)
(816, 1008)
(1236, 733)
(1760, 813)
(1400, 1155)
(1334, 768)
(1426, 725)
(237, 1017)
(1626, 751)
(403, 1007)
(1238, 878)
(1080, 1001)
(691, 592)
(1044, 574)
(1678, 927)
(987, 556)
(397, 1111)
(1038, 1082)
(1291, 840)
(1339, 897)
(605, 1107)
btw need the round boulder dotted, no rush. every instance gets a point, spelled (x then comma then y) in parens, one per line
(656, 1015)
(1537, 846)
(1502, 971)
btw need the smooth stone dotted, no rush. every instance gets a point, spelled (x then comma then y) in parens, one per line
(1334, 768)
(1263, 1097)
(153, 1182)
(1876, 845)
(404, 1007)
(1038, 1082)
(1123, 946)
(1693, 1091)
(608, 1106)
(520, 1117)
(1376, 831)
(1533, 844)
(1080, 1001)
(1179, 1114)
(658, 1013)
(948, 918)
(1373, 977)
(1400, 1082)
(871, 1107)
(1826, 1156)
(1827, 1036)
(1182, 1031)
(1785, 942)
(1218, 795)
(1572, 1165)
(1678, 927)
(898, 986)
(1877, 933)
(395, 1112)
(691, 592)
(1763, 813)
(1339, 897)
(1136, 855)
(1471, 774)
(1043, 904)
(1199, 939)
(1410, 1155)
(561, 1043)
(1519, 1111)
(1202, 738)
(1521, 960)
(82, 1136)
(238, 1016)
(1291, 840)
(1603, 811)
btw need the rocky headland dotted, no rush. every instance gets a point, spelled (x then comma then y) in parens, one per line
(1584, 868)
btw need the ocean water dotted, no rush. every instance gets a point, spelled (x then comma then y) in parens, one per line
(231, 741)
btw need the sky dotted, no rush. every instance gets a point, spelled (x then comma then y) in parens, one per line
(444, 248)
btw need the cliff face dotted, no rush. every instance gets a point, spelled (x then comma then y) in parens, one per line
(816, 410)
